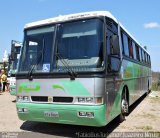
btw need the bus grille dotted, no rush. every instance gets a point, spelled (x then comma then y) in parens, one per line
(55, 99)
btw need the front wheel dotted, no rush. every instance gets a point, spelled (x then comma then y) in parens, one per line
(124, 108)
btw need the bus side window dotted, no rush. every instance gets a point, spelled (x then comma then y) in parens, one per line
(122, 46)
(130, 48)
(146, 58)
(140, 55)
(149, 60)
(134, 50)
(125, 44)
(137, 53)
(143, 56)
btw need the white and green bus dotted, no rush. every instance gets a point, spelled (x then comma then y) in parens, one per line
(13, 63)
(81, 69)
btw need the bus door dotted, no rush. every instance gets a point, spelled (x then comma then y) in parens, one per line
(112, 72)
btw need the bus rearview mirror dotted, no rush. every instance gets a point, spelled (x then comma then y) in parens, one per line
(114, 64)
(114, 44)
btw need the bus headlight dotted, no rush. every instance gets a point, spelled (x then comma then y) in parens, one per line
(85, 100)
(19, 98)
(23, 99)
(26, 98)
(90, 100)
(81, 100)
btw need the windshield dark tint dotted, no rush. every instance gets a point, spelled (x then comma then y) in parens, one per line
(80, 43)
(37, 50)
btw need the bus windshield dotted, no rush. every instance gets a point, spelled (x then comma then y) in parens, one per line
(37, 49)
(80, 44)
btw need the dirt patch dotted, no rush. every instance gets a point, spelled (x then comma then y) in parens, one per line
(145, 117)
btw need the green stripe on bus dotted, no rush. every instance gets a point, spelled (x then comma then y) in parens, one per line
(74, 88)
(29, 87)
(56, 86)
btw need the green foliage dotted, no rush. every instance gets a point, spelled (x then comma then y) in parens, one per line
(156, 86)
(156, 82)
(145, 47)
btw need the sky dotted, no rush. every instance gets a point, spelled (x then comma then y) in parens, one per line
(140, 17)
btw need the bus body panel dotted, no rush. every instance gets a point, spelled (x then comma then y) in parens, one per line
(137, 78)
(82, 87)
(67, 114)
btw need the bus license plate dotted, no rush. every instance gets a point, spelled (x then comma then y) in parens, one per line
(51, 114)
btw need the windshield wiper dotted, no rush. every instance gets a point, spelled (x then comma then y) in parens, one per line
(72, 73)
(36, 62)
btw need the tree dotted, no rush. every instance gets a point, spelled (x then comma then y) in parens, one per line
(145, 47)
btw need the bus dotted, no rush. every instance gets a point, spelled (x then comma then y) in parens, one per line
(86, 69)
(13, 63)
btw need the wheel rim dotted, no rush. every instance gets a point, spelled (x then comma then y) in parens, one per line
(124, 106)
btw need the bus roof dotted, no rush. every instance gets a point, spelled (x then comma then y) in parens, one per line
(75, 16)
(68, 17)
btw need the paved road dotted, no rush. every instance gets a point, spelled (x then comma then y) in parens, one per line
(137, 121)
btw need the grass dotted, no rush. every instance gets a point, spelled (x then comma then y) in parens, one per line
(155, 86)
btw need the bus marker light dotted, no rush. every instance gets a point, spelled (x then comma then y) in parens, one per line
(99, 100)
(25, 110)
(20, 109)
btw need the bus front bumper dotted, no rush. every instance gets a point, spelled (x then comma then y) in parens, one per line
(64, 114)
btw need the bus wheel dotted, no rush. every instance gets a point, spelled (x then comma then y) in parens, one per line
(124, 107)
(148, 91)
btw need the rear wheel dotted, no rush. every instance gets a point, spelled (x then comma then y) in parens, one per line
(124, 107)
(148, 91)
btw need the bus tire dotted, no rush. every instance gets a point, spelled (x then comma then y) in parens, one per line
(148, 90)
(124, 106)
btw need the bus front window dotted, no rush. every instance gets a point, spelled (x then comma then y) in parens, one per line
(80, 44)
(37, 49)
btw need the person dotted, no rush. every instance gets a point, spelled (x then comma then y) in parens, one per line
(0, 81)
(3, 80)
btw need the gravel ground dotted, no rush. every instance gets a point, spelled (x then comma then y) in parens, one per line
(144, 117)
